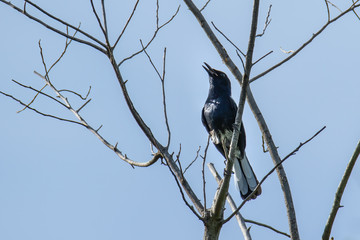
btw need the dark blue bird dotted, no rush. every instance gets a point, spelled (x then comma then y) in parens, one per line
(218, 117)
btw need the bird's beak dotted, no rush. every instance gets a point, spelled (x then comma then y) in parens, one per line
(208, 69)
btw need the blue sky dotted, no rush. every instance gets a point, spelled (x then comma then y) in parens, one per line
(58, 181)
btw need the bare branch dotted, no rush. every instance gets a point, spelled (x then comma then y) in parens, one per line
(351, 8)
(162, 79)
(262, 57)
(205, 5)
(214, 40)
(77, 94)
(267, 22)
(98, 18)
(328, 10)
(105, 22)
(334, 6)
(95, 132)
(196, 157)
(228, 39)
(164, 100)
(127, 23)
(271, 171)
(183, 195)
(148, 133)
(37, 94)
(37, 111)
(239, 217)
(83, 105)
(85, 124)
(242, 61)
(339, 193)
(358, 17)
(64, 23)
(153, 37)
(266, 226)
(203, 171)
(58, 31)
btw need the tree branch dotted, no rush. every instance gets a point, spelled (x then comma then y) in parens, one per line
(353, 6)
(158, 27)
(37, 111)
(267, 22)
(266, 226)
(63, 22)
(240, 219)
(127, 23)
(58, 31)
(339, 193)
(162, 79)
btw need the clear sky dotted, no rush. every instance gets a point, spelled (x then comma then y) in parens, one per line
(58, 181)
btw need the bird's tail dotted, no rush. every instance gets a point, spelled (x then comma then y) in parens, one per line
(245, 179)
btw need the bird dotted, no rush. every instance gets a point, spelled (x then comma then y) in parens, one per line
(218, 116)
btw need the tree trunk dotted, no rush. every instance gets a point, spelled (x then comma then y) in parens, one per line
(212, 226)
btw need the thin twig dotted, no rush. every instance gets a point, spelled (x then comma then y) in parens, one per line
(162, 79)
(339, 193)
(105, 22)
(183, 195)
(201, 9)
(271, 171)
(228, 39)
(358, 17)
(263, 57)
(177, 160)
(203, 170)
(267, 22)
(126, 24)
(328, 10)
(242, 61)
(97, 17)
(99, 48)
(77, 94)
(334, 6)
(266, 226)
(65, 23)
(151, 39)
(83, 105)
(351, 8)
(37, 94)
(39, 112)
(164, 100)
(67, 43)
(196, 157)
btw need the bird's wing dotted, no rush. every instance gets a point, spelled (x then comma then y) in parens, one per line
(203, 119)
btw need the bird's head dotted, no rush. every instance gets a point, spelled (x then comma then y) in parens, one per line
(218, 80)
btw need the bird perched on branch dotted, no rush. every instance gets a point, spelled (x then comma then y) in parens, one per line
(218, 117)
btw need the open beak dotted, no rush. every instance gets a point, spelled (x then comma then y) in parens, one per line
(208, 69)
